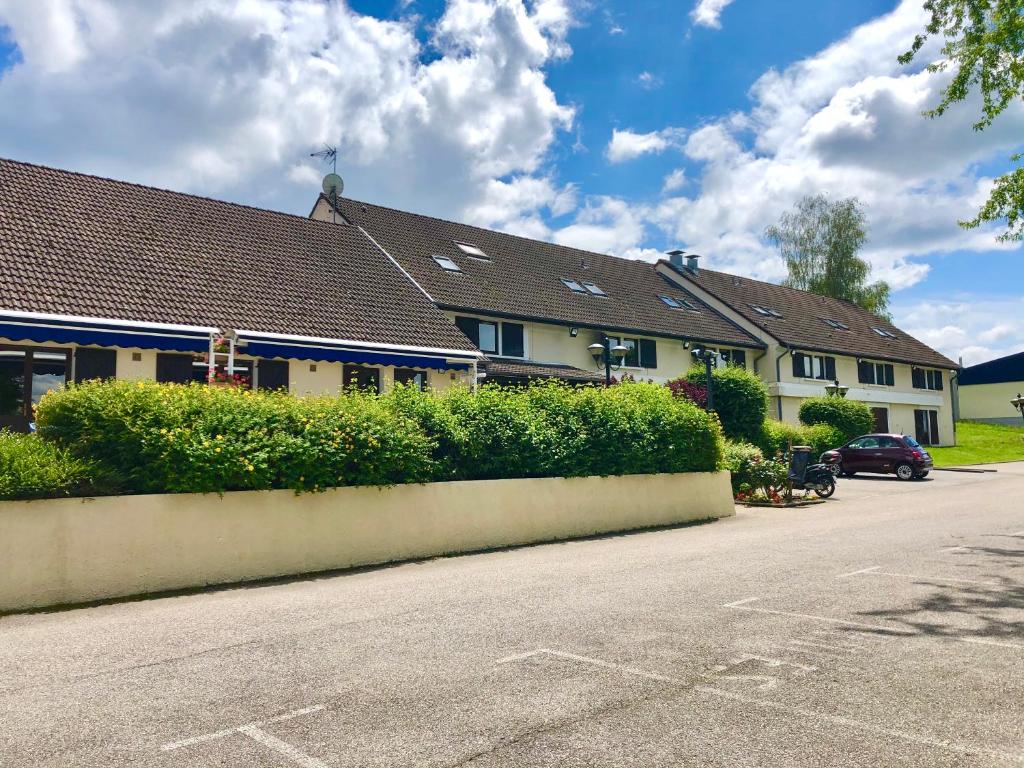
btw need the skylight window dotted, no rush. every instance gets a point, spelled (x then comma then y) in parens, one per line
(446, 264)
(472, 251)
(573, 286)
(675, 303)
(774, 312)
(835, 324)
(594, 289)
(884, 333)
(765, 311)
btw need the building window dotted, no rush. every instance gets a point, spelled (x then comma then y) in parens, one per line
(26, 374)
(875, 373)
(820, 367)
(883, 333)
(446, 264)
(488, 333)
(491, 337)
(926, 427)
(835, 324)
(411, 376)
(677, 303)
(766, 311)
(271, 374)
(929, 378)
(734, 357)
(362, 377)
(594, 289)
(472, 251)
(642, 353)
(573, 286)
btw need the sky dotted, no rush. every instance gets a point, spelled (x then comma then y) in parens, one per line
(628, 127)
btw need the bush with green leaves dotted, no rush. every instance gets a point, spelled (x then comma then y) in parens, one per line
(31, 468)
(740, 398)
(851, 417)
(739, 460)
(777, 436)
(154, 438)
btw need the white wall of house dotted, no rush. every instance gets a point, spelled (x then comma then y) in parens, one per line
(136, 364)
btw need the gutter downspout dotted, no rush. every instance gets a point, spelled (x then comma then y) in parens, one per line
(778, 377)
(954, 398)
(475, 378)
(753, 362)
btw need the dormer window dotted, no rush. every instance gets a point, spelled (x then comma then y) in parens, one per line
(446, 264)
(472, 251)
(594, 289)
(573, 286)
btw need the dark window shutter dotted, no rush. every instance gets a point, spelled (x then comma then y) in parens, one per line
(830, 368)
(648, 353)
(937, 383)
(865, 372)
(95, 364)
(921, 427)
(739, 357)
(798, 365)
(272, 374)
(933, 424)
(512, 339)
(173, 369)
(411, 376)
(471, 327)
(917, 378)
(890, 377)
(362, 376)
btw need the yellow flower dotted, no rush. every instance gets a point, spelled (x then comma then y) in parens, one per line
(217, 449)
(250, 467)
(163, 430)
(220, 437)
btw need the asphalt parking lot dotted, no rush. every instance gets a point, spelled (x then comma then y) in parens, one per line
(883, 628)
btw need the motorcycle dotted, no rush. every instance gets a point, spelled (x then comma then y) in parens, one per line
(834, 461)
(811, 477)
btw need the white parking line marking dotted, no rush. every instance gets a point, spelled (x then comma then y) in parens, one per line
(741, 606)
(849, 722)
(854, 573)
(283, 748)
(914, 738)
(998, 643)
(252, 730)
(874, 571)
(823, 645)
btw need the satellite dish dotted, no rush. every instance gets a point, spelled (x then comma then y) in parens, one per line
(333, 185)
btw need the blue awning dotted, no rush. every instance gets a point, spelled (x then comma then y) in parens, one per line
(354, 356)
(64, 333)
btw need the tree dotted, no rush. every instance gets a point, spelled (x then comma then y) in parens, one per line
(984, 47)
(819, 240)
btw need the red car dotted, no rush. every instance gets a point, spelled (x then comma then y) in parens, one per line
(900, 455)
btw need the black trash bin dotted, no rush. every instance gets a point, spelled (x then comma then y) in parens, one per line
(799, 459)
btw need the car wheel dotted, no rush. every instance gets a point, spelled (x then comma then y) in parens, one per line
(904, 471)
(921, 475)
(836, 469)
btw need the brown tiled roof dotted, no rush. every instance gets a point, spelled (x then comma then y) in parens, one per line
(803, 319)
(81, 245)
(524, 369)
(522, 278)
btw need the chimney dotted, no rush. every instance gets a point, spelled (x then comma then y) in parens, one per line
(681, 260)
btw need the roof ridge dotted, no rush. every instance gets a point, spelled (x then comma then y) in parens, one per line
(150, 187)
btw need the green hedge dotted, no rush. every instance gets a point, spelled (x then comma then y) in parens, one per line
(31, 468)
(776, 436)
(740, 397)
(152, 438)
(850, 417)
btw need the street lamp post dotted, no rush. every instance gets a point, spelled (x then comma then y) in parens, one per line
(1018, 403)
(710, 360)
(603, 352)
(836, 390)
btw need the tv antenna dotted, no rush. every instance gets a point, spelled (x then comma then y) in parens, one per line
(333, 185)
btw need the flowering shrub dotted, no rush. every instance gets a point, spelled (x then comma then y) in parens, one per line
(31, 468)
(153, 438)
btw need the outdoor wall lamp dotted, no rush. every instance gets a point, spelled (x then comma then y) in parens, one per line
(574, 332)
(604, 352)
(1018, 403)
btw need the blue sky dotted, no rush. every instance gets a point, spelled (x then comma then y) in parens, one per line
(624, 126)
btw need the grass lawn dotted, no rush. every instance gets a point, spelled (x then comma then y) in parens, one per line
(981, 444)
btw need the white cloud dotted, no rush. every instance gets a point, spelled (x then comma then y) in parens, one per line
(674, 181)
(968, 326)
(648, 81)
(605, 225)
(845, 121)
(228, 98)
(707, 13)
(628, 145)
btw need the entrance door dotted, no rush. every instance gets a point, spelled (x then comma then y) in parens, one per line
(26, 374)
(926, 427)
(881, 419)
